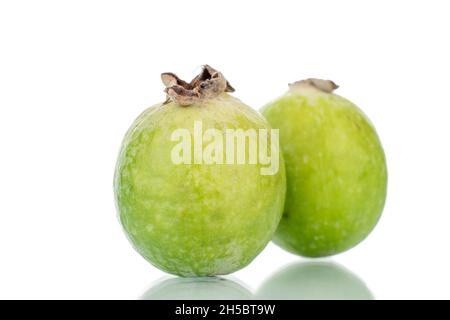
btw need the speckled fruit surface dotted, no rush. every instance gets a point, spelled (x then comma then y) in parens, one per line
(197, 219)
(335, 168)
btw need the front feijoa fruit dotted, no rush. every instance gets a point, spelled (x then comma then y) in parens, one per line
(189, 203)
(335, 170)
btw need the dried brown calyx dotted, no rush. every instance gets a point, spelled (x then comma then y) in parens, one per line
(208, 84)
(327, 86)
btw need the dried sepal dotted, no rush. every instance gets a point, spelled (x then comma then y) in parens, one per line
(323, 85)
(208, 84)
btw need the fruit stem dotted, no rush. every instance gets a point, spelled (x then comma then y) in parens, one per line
(327, 86)
(208, 84)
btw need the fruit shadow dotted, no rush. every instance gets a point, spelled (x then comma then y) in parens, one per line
(208, 288)
(297, 281)
(314, 281)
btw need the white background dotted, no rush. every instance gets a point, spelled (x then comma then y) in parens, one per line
(75, 74)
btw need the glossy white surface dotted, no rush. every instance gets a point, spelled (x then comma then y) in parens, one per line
(74, 75)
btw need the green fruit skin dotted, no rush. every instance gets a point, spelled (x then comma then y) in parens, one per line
(198, 219)
(335, 170)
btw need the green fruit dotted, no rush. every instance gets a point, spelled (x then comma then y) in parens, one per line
(195, 219)
(335, 170)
